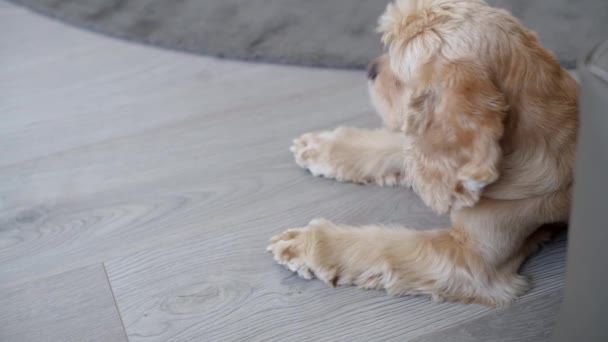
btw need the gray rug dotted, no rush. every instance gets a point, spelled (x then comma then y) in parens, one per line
(330, 33)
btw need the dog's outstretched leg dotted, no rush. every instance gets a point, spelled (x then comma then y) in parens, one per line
(439, 263)
(355, 155)
(477, 260)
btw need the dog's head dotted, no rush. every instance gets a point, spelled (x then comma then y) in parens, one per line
(434, 83)
(419, 36)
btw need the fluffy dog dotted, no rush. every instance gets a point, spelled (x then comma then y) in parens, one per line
(481, 122)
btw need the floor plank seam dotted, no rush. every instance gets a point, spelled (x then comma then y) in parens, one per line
(122, 322)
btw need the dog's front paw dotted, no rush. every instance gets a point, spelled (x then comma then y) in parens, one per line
(295, 249)
(312, 152)
(324, 250)
(347, 155)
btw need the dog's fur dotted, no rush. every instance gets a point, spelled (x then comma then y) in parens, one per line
(481, 122)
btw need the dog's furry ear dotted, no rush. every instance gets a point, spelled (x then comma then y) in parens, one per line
(409, 34)
(457, 125)
(457, 116)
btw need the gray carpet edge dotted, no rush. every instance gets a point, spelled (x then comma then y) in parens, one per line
(569, 64)
(280, 60)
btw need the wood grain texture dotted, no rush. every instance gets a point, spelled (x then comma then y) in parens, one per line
(73, 306)
(174, 170)
(533, 320)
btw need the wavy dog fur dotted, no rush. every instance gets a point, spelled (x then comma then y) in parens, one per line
(481, 122)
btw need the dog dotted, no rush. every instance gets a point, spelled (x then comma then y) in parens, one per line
(481, 122)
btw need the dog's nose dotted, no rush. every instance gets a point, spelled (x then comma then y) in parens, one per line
(372, 70)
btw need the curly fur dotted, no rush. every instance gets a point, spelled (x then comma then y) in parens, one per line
(481, 122)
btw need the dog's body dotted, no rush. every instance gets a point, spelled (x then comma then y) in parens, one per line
(481, 122)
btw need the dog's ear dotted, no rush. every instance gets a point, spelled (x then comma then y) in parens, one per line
(457, 111)
(457, 125)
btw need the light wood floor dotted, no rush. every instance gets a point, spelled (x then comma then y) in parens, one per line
(139, 187)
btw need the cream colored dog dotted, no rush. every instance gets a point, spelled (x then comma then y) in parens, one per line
(481, 122)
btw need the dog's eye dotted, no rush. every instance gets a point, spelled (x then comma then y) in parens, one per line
(372, 70)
